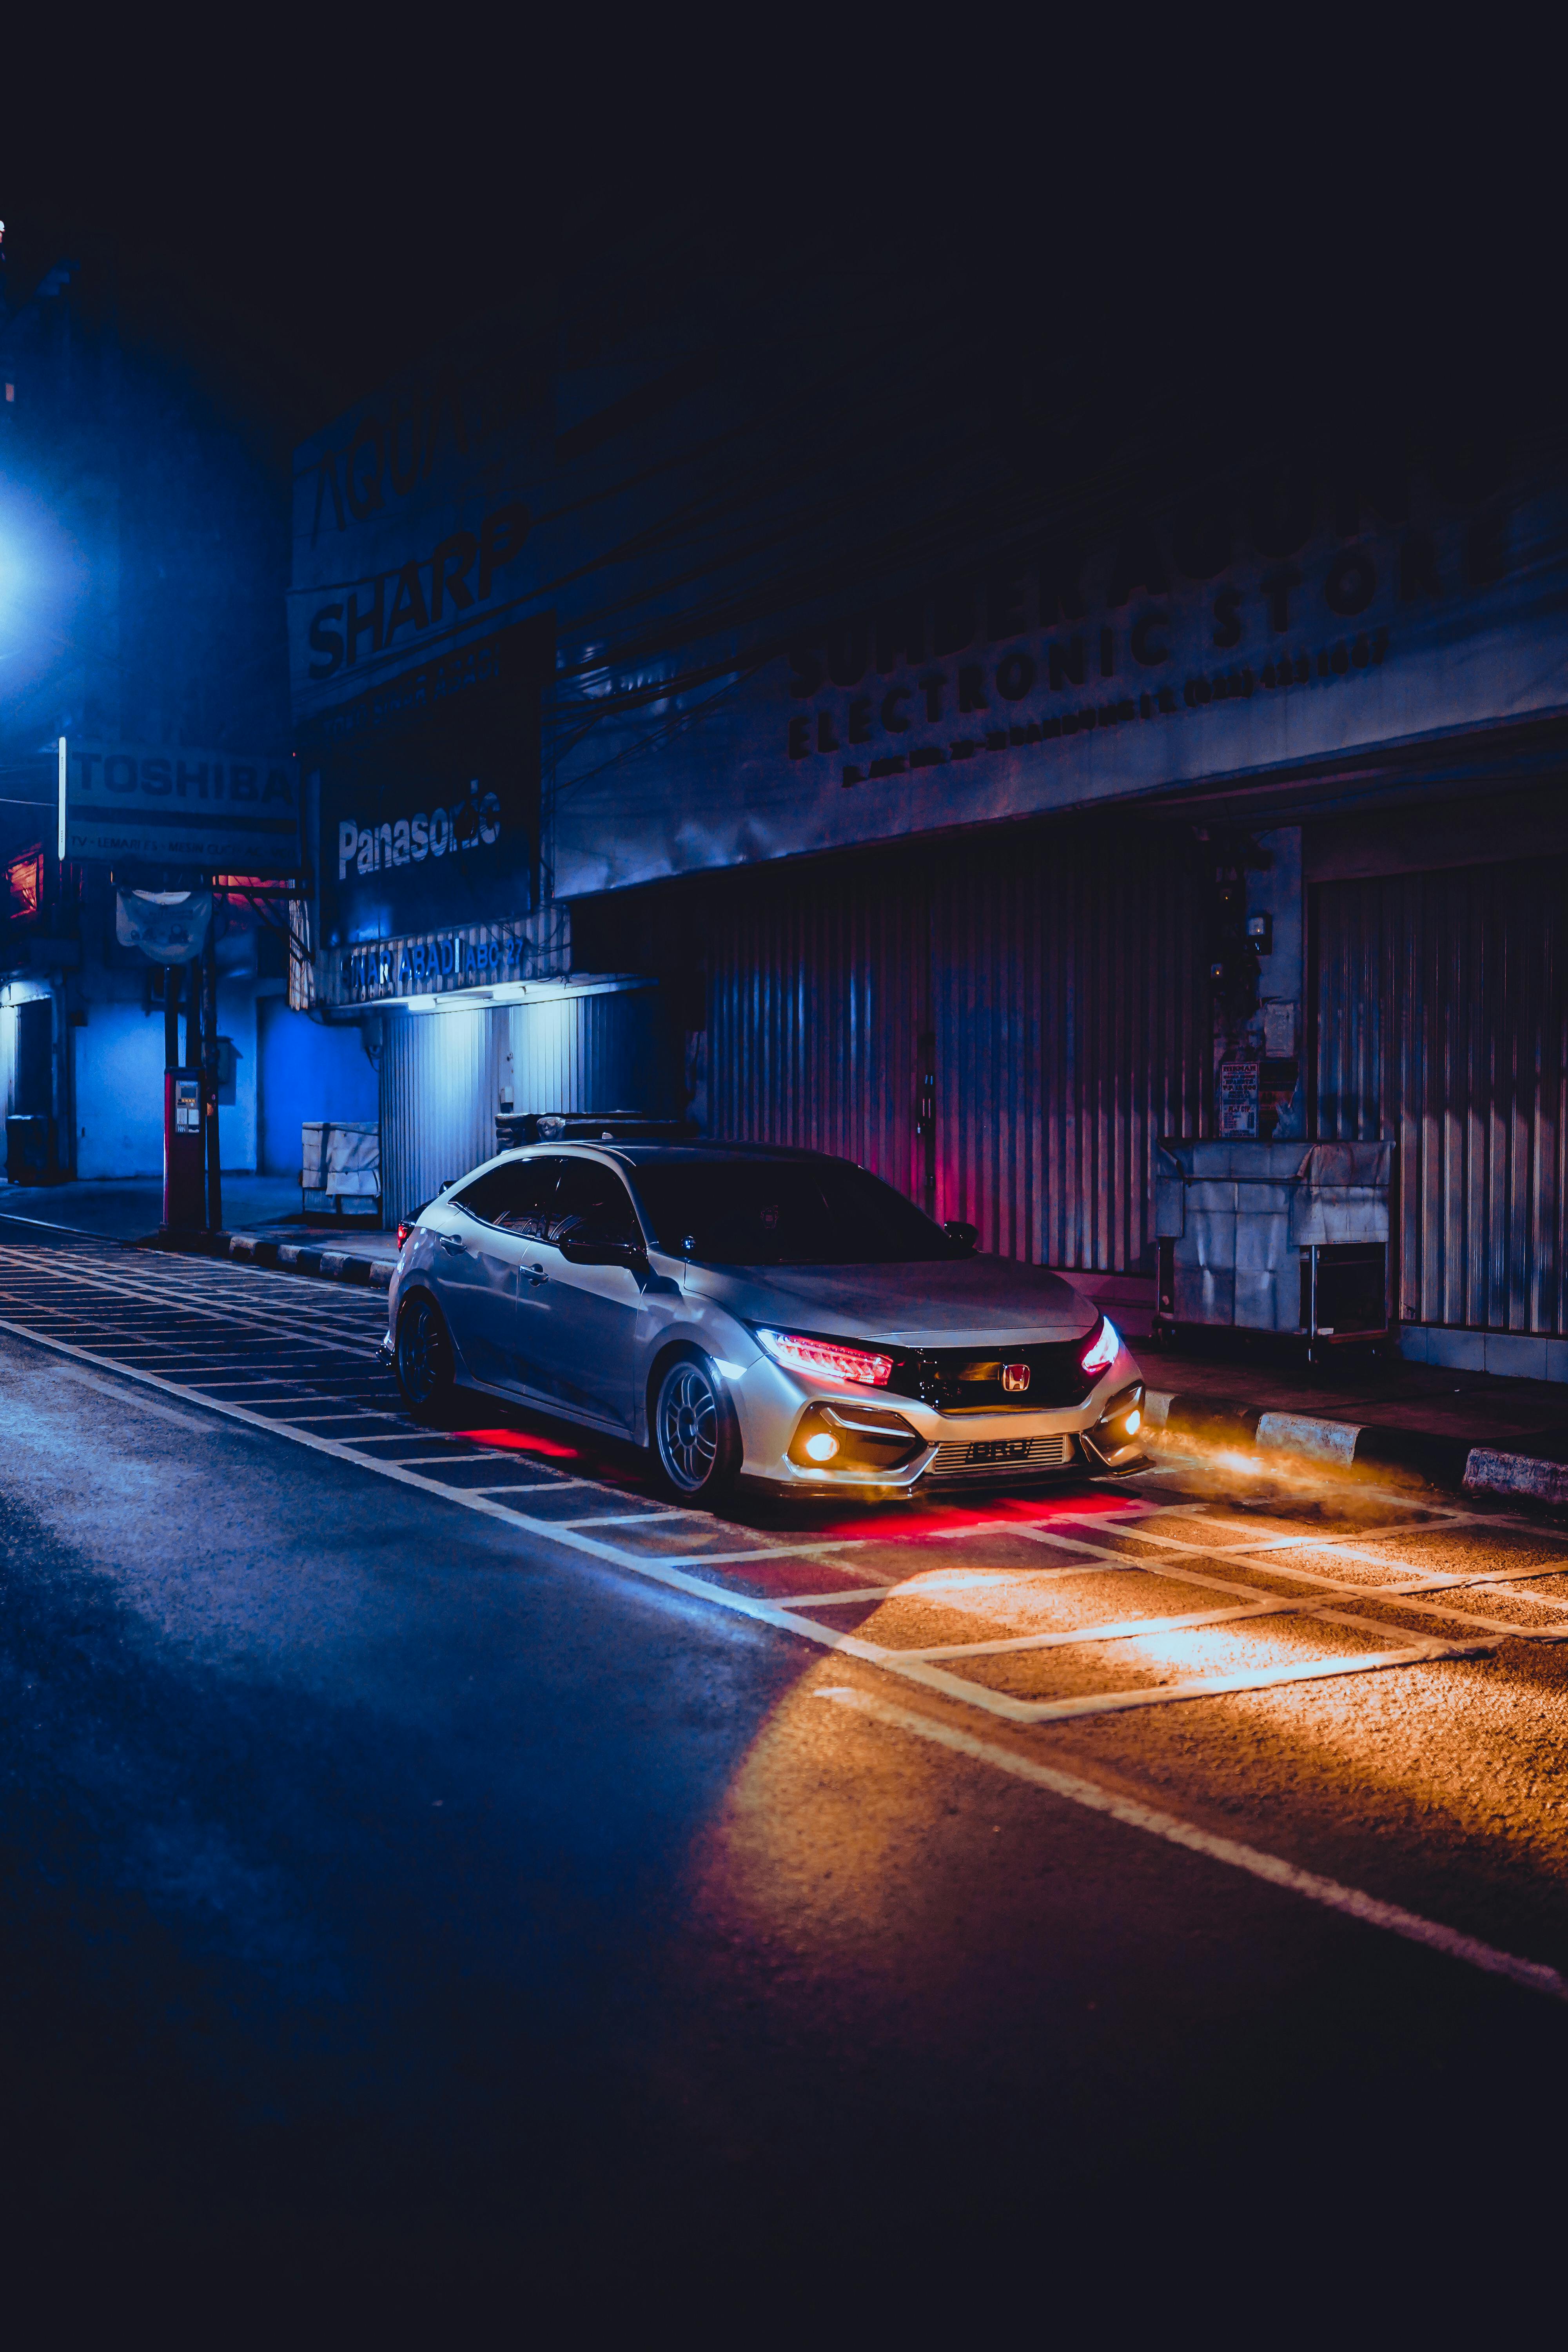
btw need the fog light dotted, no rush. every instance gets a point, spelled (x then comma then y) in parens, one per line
(1133, 1422)
(823, 1447)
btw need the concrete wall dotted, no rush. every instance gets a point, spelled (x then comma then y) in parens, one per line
(119, 1078)
(305, 1070)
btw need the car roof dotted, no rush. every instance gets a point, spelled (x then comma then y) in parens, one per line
(687, 1155)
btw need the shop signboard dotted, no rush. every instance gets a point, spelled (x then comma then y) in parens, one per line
(413, 524)
(475, 959)
(203, 811)
(428, 795)
(1047, 678)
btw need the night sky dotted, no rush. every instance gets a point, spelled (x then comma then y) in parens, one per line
(321, 199)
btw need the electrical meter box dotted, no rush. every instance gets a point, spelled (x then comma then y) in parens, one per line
(184, 1154)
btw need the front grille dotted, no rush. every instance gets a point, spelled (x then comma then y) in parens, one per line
(1001, 1457)
(967, 1380)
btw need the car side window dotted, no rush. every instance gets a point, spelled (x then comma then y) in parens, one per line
(518, 1195)
(593, 1203)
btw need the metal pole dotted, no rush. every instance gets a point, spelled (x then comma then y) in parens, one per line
(209, 1076)
(171, 1016)
(193, 1016)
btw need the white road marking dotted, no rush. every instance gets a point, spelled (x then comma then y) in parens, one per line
(1309, 1670)
(672, 1572)
(1402, 1596)
(1349, 1900)
(1127, 1629)
(900, 1588)
(631, 1519)
(117, 1390)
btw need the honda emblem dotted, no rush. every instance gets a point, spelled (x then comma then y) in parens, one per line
(1015, 1377)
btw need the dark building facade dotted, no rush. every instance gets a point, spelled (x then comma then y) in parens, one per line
(143, 552)
(707, 709)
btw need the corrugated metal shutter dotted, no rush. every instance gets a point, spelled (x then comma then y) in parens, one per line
(1073, 1029)
(591, 1053)
(442, 1073)
(817, 996)
(1440, 1021)
(441, 1077)
(1061, 972)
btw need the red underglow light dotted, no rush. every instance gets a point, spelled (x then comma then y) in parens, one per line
(932, 1519)
(828, 1357)
(516, 1441)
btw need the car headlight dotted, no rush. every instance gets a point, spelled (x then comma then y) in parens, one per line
(831, 1360)
(1103, 1349)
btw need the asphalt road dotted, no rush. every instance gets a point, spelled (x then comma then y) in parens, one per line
(426, 1858)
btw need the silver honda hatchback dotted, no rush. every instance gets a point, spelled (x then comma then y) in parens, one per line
(748, 1311)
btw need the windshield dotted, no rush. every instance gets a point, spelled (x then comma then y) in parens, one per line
(782, 1212)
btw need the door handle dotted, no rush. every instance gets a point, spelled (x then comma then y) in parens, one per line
(536, 1275)
(452, 1242)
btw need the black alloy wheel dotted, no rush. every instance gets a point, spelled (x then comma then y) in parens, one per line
(422, 1357)
(694, 1436)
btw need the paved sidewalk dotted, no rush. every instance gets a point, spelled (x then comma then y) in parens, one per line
(264, 1224)
(127, 1209)
(1464, 1430)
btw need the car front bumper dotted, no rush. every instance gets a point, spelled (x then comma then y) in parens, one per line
(779, 1411)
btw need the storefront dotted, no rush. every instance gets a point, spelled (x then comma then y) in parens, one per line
(1239, 817)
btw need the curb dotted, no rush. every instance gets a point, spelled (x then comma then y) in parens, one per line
(288, 1258)
(1311, 1438)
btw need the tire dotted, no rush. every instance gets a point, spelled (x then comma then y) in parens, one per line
(422, 1359)
(693, 1435)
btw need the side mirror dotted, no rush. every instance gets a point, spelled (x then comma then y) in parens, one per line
(958, 1231)
(589, 1249)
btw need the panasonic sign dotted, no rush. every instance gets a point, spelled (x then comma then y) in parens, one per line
(368, 848)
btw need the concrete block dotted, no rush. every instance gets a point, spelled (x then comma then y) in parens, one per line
(1305, 1432)
(1413, 1342)
(1465, 1351)
(1516, 1355)
(1557, 1360)
(1490, 1472)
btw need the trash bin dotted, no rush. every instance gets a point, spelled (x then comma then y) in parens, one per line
(1282, 1237)
(29, 1148)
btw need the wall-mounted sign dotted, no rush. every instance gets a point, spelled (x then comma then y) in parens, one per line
(216, 812)
(1051, 677)
(415, 525)
(428, 795)
(475, 958)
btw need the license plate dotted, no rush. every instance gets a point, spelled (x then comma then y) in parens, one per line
(999, 1449)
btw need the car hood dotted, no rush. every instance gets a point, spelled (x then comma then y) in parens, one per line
(949, 1303)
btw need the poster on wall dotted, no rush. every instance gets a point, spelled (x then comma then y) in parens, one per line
(1236, 1088)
